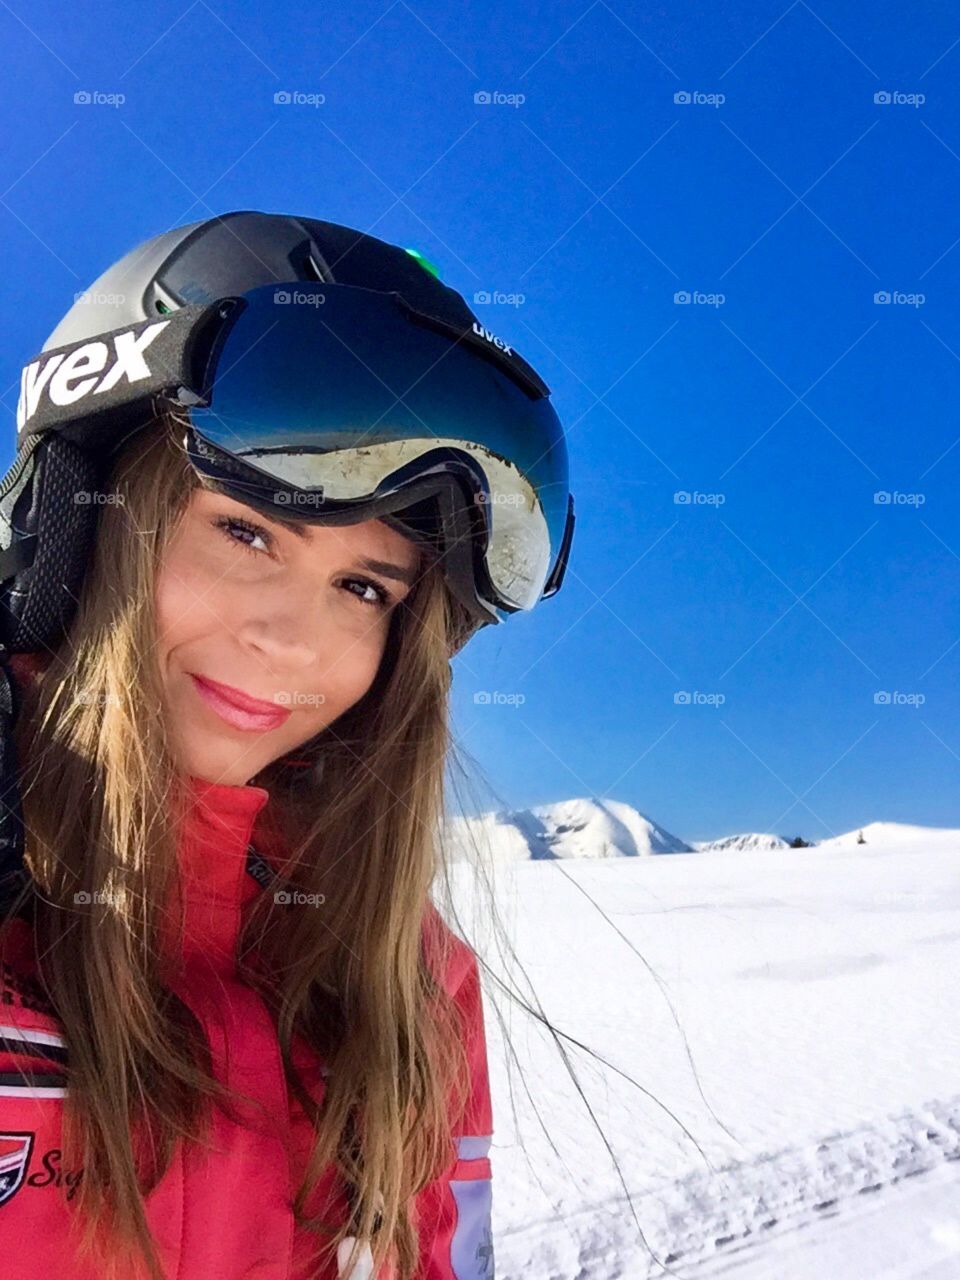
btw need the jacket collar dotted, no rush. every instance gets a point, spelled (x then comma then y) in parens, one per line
(204, 911)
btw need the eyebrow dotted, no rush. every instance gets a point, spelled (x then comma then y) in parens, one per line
(389, 570)
(386, 567)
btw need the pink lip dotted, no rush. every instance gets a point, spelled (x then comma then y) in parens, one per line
(238, 708)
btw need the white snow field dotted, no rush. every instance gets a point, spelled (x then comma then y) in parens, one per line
(782, 1034)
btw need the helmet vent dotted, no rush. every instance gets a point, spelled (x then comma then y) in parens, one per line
(312, 271)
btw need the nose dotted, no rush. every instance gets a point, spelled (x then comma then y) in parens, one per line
(284, 628)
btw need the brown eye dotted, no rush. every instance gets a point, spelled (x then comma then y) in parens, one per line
(227, 524)
(382, 595)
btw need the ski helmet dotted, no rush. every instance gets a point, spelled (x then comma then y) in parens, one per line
(323, 371)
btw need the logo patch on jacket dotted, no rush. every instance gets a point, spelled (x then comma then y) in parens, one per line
(15, 1151)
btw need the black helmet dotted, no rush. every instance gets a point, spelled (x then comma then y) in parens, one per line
(229, 254)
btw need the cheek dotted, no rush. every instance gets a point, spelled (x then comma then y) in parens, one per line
(169, 607)
(187, 602)
(347, 678)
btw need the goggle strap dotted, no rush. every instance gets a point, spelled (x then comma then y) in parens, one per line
(558, 571)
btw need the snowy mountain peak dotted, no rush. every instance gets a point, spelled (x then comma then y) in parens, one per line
(581, 828)
(594, 829)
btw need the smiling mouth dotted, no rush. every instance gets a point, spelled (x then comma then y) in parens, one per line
(239, 709)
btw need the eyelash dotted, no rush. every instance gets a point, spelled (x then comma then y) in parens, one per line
(224, 523)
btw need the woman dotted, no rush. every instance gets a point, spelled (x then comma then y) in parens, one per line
(237, 1037)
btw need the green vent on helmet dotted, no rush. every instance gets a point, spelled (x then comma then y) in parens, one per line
(425, 262)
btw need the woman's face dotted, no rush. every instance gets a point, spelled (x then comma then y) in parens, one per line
(266, 634)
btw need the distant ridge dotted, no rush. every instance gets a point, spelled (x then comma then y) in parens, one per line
(592, 828)
(750, 840)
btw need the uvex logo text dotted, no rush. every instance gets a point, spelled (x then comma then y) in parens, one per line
(499, 343)
(68, 376)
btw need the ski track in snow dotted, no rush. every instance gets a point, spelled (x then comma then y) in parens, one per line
(712, 1216)
(857, 1239)
(789, 1189)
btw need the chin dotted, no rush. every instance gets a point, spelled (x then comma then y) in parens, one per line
(217, 761)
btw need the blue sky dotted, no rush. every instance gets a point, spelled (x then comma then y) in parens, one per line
(715, 662)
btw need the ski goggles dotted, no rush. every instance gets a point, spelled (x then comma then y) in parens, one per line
(338, 403)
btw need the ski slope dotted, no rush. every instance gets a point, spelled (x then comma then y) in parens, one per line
(788, 1022)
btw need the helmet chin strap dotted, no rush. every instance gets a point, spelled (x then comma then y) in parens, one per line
(13, 874)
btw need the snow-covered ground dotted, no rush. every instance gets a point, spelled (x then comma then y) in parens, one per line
(782, 1037)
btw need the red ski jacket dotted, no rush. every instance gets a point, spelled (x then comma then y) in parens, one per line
(226, 1213)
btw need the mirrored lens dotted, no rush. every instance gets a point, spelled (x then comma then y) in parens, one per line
(306, 371)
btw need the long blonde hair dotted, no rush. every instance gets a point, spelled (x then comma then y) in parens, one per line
(101, 799)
